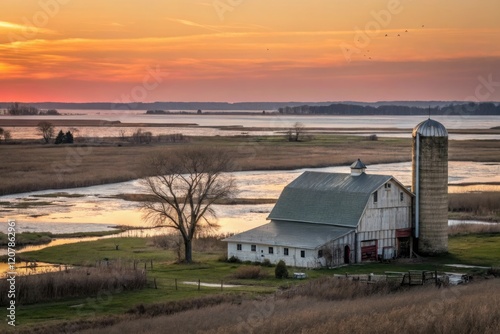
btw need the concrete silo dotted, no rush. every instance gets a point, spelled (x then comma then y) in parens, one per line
(430, 186)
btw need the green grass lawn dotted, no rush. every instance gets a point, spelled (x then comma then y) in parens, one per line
(467, 249)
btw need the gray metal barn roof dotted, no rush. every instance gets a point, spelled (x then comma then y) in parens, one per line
(327, 198)
(293, 234)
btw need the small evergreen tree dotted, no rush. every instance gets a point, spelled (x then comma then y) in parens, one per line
(69, 138)
(61, 138)
(281, 270)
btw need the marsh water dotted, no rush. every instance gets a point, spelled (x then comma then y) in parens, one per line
(238, 122)
(95, 209)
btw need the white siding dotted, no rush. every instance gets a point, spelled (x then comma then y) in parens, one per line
(381, 219)
(333, 253)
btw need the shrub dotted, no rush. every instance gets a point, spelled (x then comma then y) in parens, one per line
(249, 272)
(266, 263)
(233, 259)
(281, 271)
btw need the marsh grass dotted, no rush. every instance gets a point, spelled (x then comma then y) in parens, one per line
(33, 167)
(72, 283)
(462, 229)
(484, 204)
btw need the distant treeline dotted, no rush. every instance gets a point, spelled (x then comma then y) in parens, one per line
(268, 106)
(20, 109)
(486, 108)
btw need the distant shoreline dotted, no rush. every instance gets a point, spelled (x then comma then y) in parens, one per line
(28, 122)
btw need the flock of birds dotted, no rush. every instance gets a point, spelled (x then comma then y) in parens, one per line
(386, 35)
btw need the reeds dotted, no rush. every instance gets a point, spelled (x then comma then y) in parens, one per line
(473, 229)
(81, 282)
(476, 204)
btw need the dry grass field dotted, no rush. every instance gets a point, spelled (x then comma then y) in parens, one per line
(32, 166)
(320, 306)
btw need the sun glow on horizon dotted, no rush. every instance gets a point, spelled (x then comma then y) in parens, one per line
(329, 50)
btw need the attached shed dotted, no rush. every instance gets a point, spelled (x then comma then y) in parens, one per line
(326, 219)
(298, 244)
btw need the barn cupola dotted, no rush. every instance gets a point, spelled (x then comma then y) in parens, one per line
(357, 168)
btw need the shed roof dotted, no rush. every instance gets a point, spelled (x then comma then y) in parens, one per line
(293, 234)
(327, 198)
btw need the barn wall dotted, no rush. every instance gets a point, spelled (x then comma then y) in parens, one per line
(381, 219)
(389, 212)
(294, 259)
(333, 253)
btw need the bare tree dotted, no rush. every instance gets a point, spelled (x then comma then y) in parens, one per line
(184, 186)
(46, 130)
(296, 131)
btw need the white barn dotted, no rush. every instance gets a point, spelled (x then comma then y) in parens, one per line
(328, 219)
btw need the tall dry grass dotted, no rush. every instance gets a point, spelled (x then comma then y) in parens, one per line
(331, 288)
(473, 308)
(477, 204)
(82, 282)
(473, 229)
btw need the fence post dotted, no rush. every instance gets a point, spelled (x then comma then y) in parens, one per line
(176, 284)
(221, 285)
(151, 264)
(199, 282)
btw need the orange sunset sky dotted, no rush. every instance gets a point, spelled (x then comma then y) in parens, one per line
(249, 50)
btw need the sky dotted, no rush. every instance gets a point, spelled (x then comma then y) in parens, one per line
(249, 50)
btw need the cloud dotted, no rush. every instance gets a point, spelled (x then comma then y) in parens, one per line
(194, 24)
(14, 27)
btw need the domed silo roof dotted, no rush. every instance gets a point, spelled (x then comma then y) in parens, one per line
(430, 128)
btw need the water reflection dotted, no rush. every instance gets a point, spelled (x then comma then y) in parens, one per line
(31, 268)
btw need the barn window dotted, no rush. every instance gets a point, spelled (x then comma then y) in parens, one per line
(302, 253)
(254, 248)
(271, 250)
(375, 197)
(285, 251)
(320, 253)
(238, 246)
(387, 186)
(401, 196)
